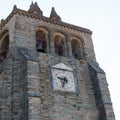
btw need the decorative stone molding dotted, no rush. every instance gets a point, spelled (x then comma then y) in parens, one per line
(45, 19)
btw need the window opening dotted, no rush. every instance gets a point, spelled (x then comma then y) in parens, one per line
(4, 48)
(75, 49)
(41, 44)
(59, 45)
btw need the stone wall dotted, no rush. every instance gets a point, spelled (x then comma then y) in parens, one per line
(25, 77)
(5, 89)
(25, 36)
(64, 105)
(101, 92)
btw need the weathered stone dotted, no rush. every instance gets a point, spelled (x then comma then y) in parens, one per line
(26, 80)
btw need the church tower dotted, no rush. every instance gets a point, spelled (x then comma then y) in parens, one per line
(48, 70)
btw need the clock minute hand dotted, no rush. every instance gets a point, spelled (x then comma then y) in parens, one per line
(60, 78)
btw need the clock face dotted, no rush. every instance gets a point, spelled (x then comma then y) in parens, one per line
(63, 80)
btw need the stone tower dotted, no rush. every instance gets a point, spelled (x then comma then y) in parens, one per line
(48, 70)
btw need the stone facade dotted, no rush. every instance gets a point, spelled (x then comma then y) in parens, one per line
(25, 70)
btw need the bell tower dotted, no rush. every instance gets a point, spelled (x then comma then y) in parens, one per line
(48, 70)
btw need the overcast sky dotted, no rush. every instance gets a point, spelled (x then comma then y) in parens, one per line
(100, 16)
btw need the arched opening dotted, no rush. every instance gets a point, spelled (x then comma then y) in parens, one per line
(59, 45)
(41, 43)
(4, 47)
(77, 49)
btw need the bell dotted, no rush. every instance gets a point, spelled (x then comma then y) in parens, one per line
(39, 47)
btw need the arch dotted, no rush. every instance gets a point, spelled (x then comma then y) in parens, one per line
(41, 40)
(4, 45)
(59, 44)
(77, 46)
(3, 33)
(42, 28)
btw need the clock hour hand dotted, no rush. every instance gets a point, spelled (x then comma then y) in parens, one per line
(63, 81)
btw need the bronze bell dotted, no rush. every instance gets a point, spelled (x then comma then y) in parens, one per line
(39, 47)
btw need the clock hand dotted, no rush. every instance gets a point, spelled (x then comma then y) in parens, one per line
(60, 78)
(63, 81)
(63, 78)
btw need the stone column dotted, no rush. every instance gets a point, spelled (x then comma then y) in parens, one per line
(69, 45)
(30, 97)
(52, 49)
(33, 86)
(15, 85)
(65, 47)
(48, 44)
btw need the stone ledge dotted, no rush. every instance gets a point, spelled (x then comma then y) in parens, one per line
(96, 67)
(28, 54)
(34, 94)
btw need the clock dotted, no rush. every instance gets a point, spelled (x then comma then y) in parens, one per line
(63, 78)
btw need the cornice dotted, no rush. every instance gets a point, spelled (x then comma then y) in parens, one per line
(43, 18)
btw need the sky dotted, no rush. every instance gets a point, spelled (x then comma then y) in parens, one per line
(100, 16)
